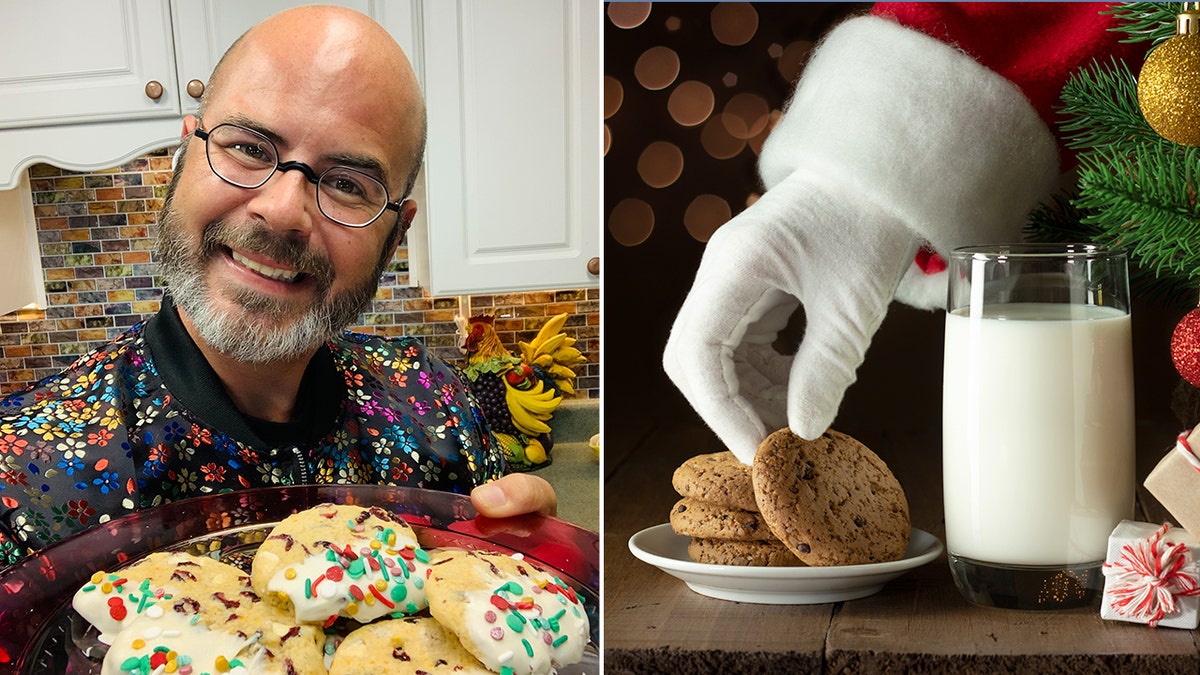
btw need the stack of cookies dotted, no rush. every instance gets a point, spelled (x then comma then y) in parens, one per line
(719, 512)
(829, 501)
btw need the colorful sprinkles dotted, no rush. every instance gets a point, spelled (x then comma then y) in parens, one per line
(123, 605)
(525, 611)
(162, 659)
(377, 576)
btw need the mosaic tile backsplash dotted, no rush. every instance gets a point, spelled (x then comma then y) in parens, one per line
(97, 236)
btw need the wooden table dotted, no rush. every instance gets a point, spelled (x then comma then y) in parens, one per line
(919, 623)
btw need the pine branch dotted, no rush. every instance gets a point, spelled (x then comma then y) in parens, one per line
(1060, 221)
(1100, 107)
(1147, 21)
(1146, 201)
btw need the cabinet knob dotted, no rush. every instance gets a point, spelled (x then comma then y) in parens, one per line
(195, 88)
(593, 265)
(154, 89)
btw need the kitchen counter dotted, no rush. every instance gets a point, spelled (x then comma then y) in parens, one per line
(575, 475)
(918, 623)
(575, 469)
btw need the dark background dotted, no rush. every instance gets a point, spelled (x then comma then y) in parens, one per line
(895, 406)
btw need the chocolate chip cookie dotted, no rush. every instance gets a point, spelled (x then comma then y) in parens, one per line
(769, 553)
(831, 500)
(719, 478)
(694, 518)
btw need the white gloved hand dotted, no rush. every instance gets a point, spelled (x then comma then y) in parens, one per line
(802, 242)
(892, 141)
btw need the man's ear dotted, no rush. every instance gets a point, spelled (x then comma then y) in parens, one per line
(189, 125)
(408, 211)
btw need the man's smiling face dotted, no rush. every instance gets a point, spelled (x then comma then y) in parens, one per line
(261, 273)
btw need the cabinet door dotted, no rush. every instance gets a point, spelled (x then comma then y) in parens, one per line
(512, 172)
(204, 29)
(71, 61)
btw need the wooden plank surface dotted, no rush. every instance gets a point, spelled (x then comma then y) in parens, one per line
(921, 619)
(919, 623)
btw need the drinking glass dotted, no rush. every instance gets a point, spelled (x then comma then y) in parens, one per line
(1037, 421)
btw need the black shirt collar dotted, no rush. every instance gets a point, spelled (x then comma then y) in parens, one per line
(192, 381)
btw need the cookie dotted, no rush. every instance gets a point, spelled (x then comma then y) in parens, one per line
(831, 500)
(694, 518)
(110, 601)
(336, 560)
(742, 553)
(718, 478)
(173, 610)
(256, 638)
(512, 615)
(404, 647)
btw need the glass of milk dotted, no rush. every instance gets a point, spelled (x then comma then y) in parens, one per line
(1038, 421)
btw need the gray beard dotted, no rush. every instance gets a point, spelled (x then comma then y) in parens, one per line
(254, 333)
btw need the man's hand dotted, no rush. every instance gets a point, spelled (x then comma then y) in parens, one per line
(513, 495)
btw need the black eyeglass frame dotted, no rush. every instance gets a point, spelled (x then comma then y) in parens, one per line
(310, 174)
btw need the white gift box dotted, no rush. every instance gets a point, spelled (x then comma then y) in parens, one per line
(1151, 576)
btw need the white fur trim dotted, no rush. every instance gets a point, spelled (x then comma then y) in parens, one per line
(921, 129)
(924, 291)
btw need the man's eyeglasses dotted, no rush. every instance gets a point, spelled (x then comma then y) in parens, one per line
(247, 159)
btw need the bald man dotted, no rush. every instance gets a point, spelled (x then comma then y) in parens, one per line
(288, 200)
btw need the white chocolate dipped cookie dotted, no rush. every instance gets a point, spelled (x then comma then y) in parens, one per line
(515, 617)
(256, 639)
(175, 612)
(337, 560)
(111, 601)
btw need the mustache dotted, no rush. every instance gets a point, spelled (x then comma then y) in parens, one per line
(291, 251)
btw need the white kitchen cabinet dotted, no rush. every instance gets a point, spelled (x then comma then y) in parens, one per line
(512, 171)
(126, 71)
(84, 83)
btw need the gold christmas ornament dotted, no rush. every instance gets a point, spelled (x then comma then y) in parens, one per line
(1169, 84)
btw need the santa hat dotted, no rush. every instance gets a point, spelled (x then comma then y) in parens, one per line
(943, 114)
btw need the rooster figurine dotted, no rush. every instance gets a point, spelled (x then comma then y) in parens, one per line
(520, 394)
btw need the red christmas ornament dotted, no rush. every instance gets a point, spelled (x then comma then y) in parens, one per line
(1185, 347)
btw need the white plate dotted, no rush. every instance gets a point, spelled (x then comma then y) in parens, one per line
(661, 547)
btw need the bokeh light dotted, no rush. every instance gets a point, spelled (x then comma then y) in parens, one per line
(660, 164)
(628, 14)
(704, 215)
(717, 140)
(792, 60)
(756, 143)
(746, 115)
(690, 103)
(614, 95)
(657, 68)
(734, 23)
(631, 221)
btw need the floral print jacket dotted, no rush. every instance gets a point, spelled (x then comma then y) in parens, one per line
(143, 421)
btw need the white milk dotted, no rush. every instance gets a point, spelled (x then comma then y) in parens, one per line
(1038, 437)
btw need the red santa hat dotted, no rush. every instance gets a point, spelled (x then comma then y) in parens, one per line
(945, 114)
